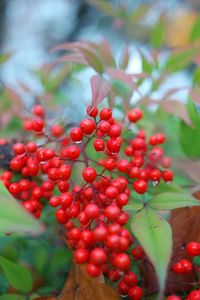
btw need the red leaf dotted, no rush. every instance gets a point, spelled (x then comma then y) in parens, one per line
(74, 46)
(100, 89)
(195, 95)
(120, 75)
(107, 54)
(124, 59)
(177, 109)
(76, 58)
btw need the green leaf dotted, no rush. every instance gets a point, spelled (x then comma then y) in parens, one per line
(12, 297)
(193, 114)
(158, 34)
(13, 217)
(189, 140)
(165, 187)
(181, 59)
(121, 88)
(165, 201)
(134, 204)
(149, 228)
(92, 59)
(18, 277)
(146, 66)
(5, 57)
(195, 32)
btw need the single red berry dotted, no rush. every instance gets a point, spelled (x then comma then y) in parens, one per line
(112, 192)
(98, 256)
(54, 201)
(66, 199)
(123, 165)
(173, 297)
(194, 295)
(112, 212)
(81, 256)
(130, 278)
(76, 134)
(37, 125)
(167, 175)
(193, 249)
(31, 147)
(156, 154)
(92, 211)
(135, 293)
(109, 164)
(137, 252)
(71, 152)
(88, 126)
(113, 145)
(122, 261)
(99, 144)
(19, 148)
(57, 130)
(92, 111)
(93, 270)
(113, 275)
(135, 115)
(100, 233)
(38, 110)
(155, 175)
(61, 216)
(140, 186)
(105, 114)
(115, 131)
(104, 127)
(89, 174)
(123, 288)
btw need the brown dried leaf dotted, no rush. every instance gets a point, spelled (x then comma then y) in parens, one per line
(80, 286)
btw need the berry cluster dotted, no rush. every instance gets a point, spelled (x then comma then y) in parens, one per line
(92, 210)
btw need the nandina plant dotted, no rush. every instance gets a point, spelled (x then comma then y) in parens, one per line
(107, 181)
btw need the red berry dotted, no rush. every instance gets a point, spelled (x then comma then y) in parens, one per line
(123, 165)
(105, 114)
(89, 174)
(112, 212)
(61, 216)
(140, 186)
(135, 114)
(130, 278)
(138, 252)
(92, 111)
(98, 256)
(173, 297)
(92, 211)
(155, 175)
(81, 256)
(57, 130)
(122, 261)
(71, 152)
(100, 233)
(123, 287)
(54, 201)
(113, 145)
(194, 295)
(37, 125)
(104, 127)
(193, 249)
(88, 126)
(99, 145)
(167, 176)
(115, 131)
(76, 134)
(155, 154)
(19, 148)
(31, 147)
(135, 293)
(112, 192)
(93, 270)
(38, 110)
